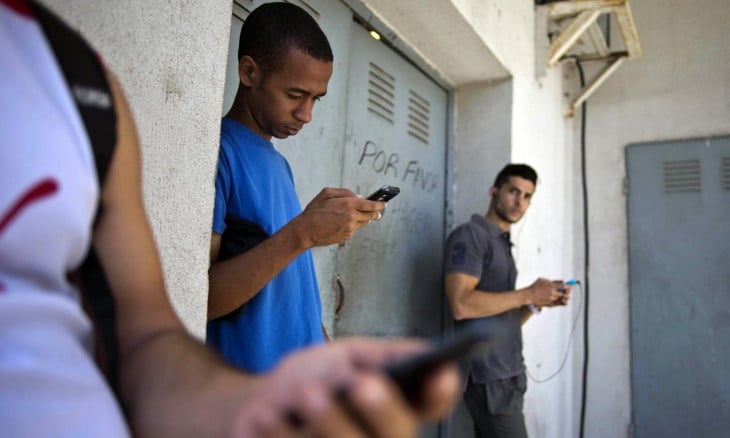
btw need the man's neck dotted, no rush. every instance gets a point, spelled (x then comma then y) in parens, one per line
(242, 115)
(492, 217)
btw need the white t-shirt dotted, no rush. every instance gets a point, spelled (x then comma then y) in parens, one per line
(49, 384)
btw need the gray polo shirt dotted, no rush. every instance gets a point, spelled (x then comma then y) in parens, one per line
(481, 249)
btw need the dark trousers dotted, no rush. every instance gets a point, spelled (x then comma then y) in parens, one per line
(496, 407)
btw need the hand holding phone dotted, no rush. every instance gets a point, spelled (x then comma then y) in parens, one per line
(385, 194)
(411, 373)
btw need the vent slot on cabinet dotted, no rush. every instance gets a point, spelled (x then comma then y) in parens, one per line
(682, 176)
(381, 93)
(419, 117)
(726, 173)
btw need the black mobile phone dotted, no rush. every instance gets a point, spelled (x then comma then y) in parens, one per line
(409, 373)
(385, 193)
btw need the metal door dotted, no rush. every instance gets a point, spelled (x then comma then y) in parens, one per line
(679, 247)
(241, 9)
(389, 275)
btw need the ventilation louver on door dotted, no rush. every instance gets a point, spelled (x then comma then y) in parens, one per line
(419, 117)
(381, 93)
(726, 173)
(682, 176)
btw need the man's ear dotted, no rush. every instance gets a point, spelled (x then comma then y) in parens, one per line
(248, 71)
(492, 191)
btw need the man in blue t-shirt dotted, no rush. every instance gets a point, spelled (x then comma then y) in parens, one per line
(480, 276)
(265, 302)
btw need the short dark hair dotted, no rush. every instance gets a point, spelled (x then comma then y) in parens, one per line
(521, 170)
(272, 29)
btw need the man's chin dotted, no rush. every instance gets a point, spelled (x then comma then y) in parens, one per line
(514, 219)
(286, 132)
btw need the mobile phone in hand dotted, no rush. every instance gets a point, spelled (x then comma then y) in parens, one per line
(385, 194)
(410, 373)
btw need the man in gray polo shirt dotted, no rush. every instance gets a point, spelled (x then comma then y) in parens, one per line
(480, 286)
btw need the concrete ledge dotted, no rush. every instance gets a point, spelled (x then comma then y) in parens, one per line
(436, 36)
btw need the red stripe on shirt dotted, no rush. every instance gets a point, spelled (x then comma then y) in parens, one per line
(19, 6)
(40, 190)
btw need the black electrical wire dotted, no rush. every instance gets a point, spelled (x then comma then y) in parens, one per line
(586, 250)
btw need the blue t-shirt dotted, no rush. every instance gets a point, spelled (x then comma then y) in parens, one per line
(255, 183)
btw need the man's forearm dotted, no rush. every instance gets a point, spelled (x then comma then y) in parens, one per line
(233, 282)
(167, 380)
(478, 304)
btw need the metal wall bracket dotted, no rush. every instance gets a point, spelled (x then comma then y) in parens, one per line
(576, 21)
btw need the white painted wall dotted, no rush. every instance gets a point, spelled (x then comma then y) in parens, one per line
(679, 88)
(170, 58)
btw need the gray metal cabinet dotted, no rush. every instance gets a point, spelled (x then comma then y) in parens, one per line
(679, 247)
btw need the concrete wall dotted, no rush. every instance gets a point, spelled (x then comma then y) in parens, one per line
(481, 146)
(170, 58)
(679, 88)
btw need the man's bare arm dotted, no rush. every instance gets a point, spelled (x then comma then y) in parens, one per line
(333, 216)
(160, 364)
(233, 282)
(467, 302)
